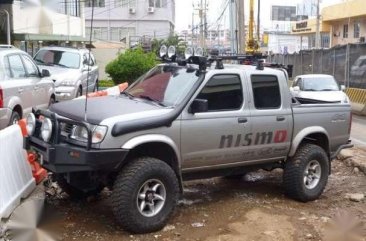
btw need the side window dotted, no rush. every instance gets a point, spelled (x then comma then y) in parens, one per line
(223, 92)
(16, 66)
(31, 68)
(7, 67)
(266, 92)
(88, 61)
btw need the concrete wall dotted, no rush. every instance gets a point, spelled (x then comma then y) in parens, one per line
(103, 56)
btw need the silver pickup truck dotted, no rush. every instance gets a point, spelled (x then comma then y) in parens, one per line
(181, 122)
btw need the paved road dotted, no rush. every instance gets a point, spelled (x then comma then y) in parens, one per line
(358, 132)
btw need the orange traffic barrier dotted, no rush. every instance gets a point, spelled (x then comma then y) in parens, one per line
(37, 171)
(23, 126)
(123, 86)
(98, 93)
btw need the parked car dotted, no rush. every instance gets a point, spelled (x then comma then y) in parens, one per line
(22, 86)
(187, 122)
(318, 87)
(73, 70)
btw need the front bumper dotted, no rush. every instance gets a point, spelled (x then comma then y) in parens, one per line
(61, 156)
(66, 158)
(65, 93)
(5, 115)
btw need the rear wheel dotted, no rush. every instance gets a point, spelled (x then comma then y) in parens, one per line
(145, 194)
(306, 174)
(96, 86)
(15, 117)
(52, 101)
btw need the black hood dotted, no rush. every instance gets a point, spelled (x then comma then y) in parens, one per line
(100, 108)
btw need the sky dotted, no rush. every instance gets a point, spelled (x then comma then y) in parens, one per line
(184, 11)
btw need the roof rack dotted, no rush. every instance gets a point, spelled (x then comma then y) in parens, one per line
(6, 46)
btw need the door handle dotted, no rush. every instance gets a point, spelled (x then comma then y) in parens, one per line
(280, 118)
(36, 87)
(242, 120)
(20, 90)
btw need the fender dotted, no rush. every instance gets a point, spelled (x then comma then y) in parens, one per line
(302, 134)
(138, 140)
(14, 101)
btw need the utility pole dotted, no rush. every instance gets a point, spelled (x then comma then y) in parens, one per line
(241, 25)
(233, 28)
(7, 26)
(317, 34)
(202, 12)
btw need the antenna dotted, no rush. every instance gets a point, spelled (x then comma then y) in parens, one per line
(89, 57)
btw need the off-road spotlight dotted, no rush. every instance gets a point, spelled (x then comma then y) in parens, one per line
(188, 52)
(163, 51)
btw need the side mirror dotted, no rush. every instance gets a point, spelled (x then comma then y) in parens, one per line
(343, 87)
(199, 105)
(296, 88)
(85, 68)
(46, 73)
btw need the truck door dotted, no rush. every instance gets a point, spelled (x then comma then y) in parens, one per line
(271, 117)
(216, 137)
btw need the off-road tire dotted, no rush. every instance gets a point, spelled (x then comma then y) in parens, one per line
(79, 92)
(73, 192)
(14, 117)
(293, 176)
(126, 188)
(52, 101)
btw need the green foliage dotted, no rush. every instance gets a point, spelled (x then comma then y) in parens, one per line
(130, 65)
(106, 83)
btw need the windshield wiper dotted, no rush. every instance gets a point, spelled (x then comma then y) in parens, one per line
(327, 90)
(62, 65)
(151, 99)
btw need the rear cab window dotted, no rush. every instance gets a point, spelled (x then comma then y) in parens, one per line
(266, 91)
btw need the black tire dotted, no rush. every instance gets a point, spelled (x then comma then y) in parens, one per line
(96, 86)
(294, 174)
(73, 192)
(129, 184)
(15, 117)
(52, 101)
(234, 177)
(79, 92)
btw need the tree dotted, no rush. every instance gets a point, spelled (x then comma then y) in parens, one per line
(130, 65)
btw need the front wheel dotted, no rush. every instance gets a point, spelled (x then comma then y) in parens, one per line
(306, 174)
(15, 117)
(144, 195)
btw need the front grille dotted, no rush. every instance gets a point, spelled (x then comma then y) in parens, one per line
(66, 129)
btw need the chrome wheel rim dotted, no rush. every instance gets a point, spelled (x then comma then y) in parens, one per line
(151, 197)
(312, 174)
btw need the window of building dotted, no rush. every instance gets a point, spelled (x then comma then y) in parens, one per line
(158, 3)
(97, 3)
(100, 33)
(223, 92)
(125, 3)
(345, 31)
(121, 34)
(72, 7)
(356, 30)
(266, 92)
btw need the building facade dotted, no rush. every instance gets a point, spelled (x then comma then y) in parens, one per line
(129, 20)
(37, 23)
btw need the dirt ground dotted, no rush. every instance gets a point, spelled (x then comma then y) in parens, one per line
(253, 208)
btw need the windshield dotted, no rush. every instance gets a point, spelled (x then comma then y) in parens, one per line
(320, 84)
(58, 58)
(167, 84)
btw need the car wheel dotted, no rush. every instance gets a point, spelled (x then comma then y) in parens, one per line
(79, 92)
(15, 117)
(144, 195)
(96, 86)
(52, 101)
(306, 174)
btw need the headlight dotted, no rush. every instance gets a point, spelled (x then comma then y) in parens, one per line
(67, 83)
(31, 124)
(46, 129)
(80, 133)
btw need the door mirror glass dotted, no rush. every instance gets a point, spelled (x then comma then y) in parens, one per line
(46, 73)
(296, 88)
(343, 87)
(85, 68)
(199, 105)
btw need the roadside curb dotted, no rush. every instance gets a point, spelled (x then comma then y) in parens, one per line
(351, 158)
